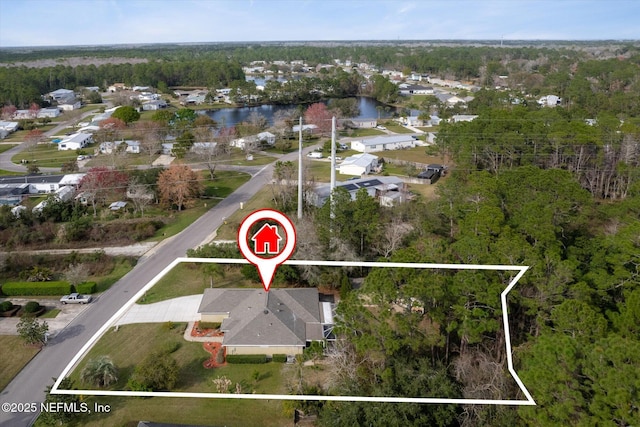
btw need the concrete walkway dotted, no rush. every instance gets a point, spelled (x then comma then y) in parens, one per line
(183, 309)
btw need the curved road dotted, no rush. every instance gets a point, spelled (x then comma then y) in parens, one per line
(29, 385)
(5, 158)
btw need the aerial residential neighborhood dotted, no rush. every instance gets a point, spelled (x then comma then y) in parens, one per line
(319, 214)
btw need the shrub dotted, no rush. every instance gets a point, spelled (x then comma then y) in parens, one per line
(86, 288)
(209, 325)
(31, 307)
(279, 358)
(247, 358)
(5, 306)
(35, 288)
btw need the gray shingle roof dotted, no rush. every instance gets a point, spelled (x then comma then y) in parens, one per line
(280, 317)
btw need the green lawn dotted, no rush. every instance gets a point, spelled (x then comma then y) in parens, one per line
(46, 155)
(192, 279)
(122, 267)
(262, 199)
(6, 147)
(20, 135)
(14, 355)
(131, 343)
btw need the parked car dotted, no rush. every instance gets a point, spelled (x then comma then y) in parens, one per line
(337, 158)
(381, 127)
(315, 155)
(76, 298)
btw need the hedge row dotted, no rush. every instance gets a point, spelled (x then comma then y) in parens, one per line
(279, 358)
(86, 288)
(247, 358)
(46, 288)
(36, 288)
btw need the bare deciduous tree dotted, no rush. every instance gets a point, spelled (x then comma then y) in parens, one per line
(140, 195)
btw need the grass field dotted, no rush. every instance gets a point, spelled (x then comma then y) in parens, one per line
(5, 147)
(131, 343)
(14, 355)
(45, 155)
(262, 199)
(192, 279)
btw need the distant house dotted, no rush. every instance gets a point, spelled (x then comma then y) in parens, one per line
(361, 123)
(61, 94)
(305, 128)
(39, 184)
(12, 195)
(457, 118)
(9, 127)
(50, 113)
(381, 188)
(63, 194)
(76, 141)
(550, 101)
(69, 104)
(108, 147)
(157, 104)
(280, 321)
(359, 164)
(116, 87)
(382, 143)
(408, 89)
(254, 140)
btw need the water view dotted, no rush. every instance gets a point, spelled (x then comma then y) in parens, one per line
(369, 109)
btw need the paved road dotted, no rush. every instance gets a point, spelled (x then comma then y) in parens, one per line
(5, 158)
(29, 385)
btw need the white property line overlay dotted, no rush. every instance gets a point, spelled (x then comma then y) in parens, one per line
(505, 319)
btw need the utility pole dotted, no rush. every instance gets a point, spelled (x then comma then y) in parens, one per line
(300, 170)
(333, 162)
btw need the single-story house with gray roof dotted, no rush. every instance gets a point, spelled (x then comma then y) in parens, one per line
(254, 321)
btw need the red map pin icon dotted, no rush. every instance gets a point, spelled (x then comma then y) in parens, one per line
(268, 241)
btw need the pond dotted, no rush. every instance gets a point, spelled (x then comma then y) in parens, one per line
(369, 109)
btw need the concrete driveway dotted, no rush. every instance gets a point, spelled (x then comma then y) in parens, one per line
(68, 312)
(183, 309)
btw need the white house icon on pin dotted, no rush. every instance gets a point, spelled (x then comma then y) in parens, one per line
(267, 240)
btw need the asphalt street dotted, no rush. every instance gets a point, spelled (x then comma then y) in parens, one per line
(29, 386)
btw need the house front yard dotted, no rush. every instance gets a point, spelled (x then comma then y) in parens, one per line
(129, 344)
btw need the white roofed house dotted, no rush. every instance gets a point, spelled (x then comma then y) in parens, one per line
(381, 143)
(60, 94)
(359, 164)
(254, 141)
(50, 113)
(154, 105)
(76, 141)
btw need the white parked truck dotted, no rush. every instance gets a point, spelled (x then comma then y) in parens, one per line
(75, 298)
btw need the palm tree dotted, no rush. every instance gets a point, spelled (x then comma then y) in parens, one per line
(101, 372)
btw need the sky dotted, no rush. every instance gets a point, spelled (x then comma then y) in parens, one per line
(106, 22)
